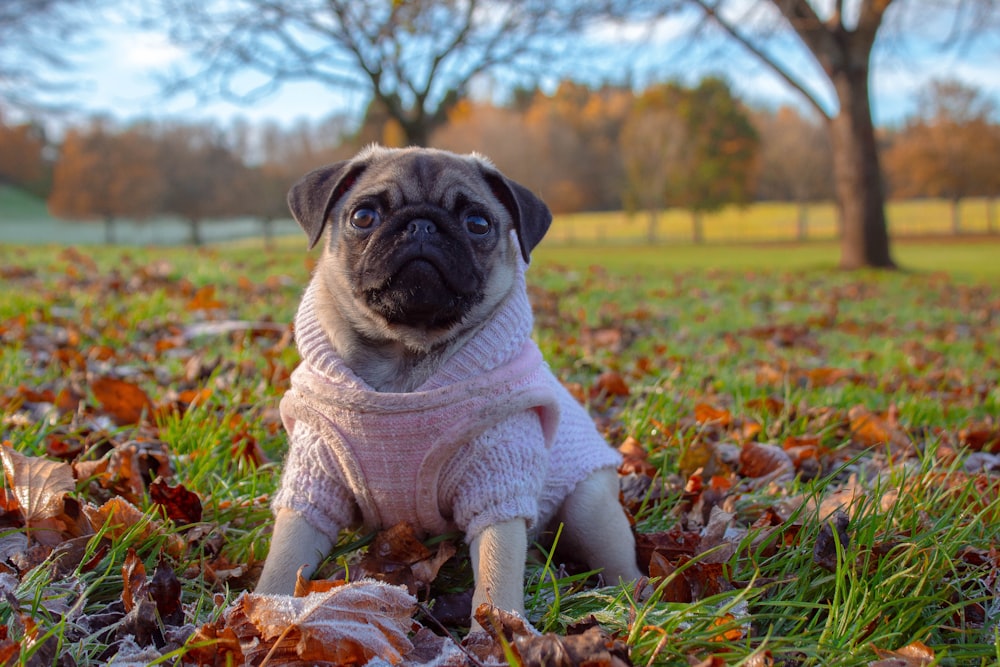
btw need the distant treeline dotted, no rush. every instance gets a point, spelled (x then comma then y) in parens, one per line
(581, 148)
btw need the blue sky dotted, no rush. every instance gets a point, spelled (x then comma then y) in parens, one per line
(118, 74)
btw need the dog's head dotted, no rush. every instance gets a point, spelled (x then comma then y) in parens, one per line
(420, 242)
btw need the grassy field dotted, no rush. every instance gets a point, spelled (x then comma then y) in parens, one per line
(756, 392)
(24, 219)
(765, 221)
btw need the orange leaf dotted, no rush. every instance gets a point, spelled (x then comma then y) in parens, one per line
(124, 401)
(704, 413)
(204, 299)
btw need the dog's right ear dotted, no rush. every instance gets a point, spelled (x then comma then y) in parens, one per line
(313, 195)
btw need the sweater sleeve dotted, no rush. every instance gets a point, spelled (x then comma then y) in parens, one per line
(313, 486)
(498, 476)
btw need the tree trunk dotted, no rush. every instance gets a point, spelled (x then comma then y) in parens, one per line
(857, 177)
(803, 221)
(697, 233)
(991, 215)
(956, 217)
(651, 235)
(268, 228)
(109, 230)
(195, 225)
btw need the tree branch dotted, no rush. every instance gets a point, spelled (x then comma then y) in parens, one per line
(764, 57)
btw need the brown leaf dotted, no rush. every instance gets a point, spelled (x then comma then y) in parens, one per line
(635, 459)
(134, 580)
(39, 485)
(124, 401)
(609, 383)
(674, 590)
(180, 505)
(761, 460)
(398, 557)
(593, 647)
(916, 654)
(825, 549)
(348, 625)
(165, 590)
(121, 517)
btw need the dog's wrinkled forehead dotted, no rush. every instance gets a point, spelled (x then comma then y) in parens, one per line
(399, 176)
(408, 176)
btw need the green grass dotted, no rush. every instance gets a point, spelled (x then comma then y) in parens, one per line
(764, 221)
(683, 326)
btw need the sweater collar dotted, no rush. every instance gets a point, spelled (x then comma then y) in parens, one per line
(496, 343)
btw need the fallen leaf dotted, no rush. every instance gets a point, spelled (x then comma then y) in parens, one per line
(916, 654)
(180, 505)
(122, 516)
(832, 531)
(762, 460)
(39, 485)
(347, 625)
(124, 401)
(706, 414)
(204, 299)
(134, 579)
(609, 383)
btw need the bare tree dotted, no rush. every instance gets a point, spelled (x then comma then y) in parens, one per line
(203, 179)
(840, 37)
(416, 59)
(34, 36)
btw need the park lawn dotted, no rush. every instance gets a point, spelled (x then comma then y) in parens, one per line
(754, 393)
(765, 221)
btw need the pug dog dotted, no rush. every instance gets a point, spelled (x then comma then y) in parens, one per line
(421, 396)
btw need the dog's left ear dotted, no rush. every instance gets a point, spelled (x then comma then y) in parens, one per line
(313, 195)
(530, 214)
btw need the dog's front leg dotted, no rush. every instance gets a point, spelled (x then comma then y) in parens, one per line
(498, 555)
(295, 544)
(596, 530)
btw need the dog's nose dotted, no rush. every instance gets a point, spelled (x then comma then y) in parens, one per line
(421, 227)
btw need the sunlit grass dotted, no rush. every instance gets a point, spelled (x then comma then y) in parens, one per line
(687, 316)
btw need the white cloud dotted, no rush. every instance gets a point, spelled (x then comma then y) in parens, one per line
(149, 51)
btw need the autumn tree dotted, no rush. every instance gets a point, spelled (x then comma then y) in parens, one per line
(654, 148)
(945, 150)
(202, 176)
(106, 175)
(839, 37)
(696, 147)
(563, 145)
(21, 149)
(795, 163)
(414, 59)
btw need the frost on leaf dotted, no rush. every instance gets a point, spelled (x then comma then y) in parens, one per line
(348, 625)
(38, 484)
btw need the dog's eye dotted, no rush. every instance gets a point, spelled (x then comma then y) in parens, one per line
(365, 218)
(477, 224)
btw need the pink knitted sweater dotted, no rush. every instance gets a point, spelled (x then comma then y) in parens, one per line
(490, 437)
